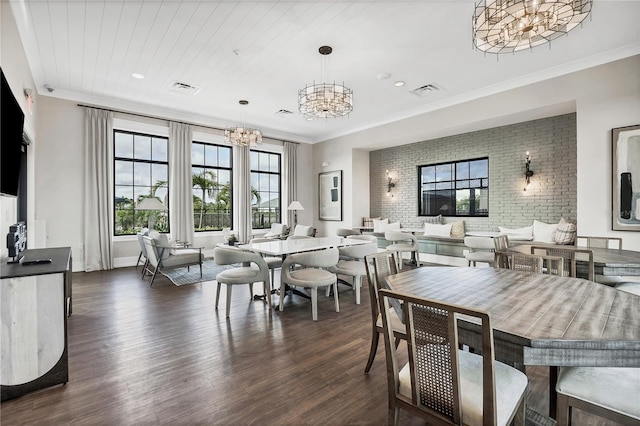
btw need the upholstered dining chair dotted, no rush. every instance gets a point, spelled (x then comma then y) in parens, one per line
(310, 275)
(351, 261)
(441, 383)
(273, 262)
(403, 242)
(481, 249)
(609, 392)
(144, 232)
(254, 269)
(378, 266)
(161, 256)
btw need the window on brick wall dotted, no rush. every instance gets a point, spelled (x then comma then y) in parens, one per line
(458, 188)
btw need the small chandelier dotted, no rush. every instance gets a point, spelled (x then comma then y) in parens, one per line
(506, 26)
(243, 136)
(325, 100)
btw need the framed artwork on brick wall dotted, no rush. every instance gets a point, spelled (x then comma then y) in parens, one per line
(330, 195)
(625, 183)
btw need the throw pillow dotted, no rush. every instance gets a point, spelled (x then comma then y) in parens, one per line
(379, 225)
(301, 230)
(394, 225)
(368, 221)
(144, 232)
(565, 232)
(433, 219)
(435, 230)
(543, 232)
(162, 240)
(518, 234)
(457, 229)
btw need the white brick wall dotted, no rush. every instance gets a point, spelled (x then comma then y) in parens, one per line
(551, 195)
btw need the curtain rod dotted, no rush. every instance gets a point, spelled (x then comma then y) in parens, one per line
(168, 119)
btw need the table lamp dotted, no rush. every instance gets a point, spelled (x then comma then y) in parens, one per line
(151, 203)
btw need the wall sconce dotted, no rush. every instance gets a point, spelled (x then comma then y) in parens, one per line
(390, 185)
(527, 171)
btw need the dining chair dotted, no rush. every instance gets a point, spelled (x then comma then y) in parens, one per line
(481, 249)
(144, 232)
(441, 383)
(351, 262)
(273, 262)
(378, 266)
(501, 243)
(600, 242)
(310, 275)
(345, 232)
(403, 242)
(254, 269)
(552, 265)
(569, 255)
(612, 393)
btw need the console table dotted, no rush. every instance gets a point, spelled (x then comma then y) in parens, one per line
(35, 301)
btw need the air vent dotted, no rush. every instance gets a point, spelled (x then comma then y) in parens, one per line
(185, 88)
(283, 113)
(427, 89)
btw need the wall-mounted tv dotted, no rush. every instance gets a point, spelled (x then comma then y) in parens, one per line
(11, 124)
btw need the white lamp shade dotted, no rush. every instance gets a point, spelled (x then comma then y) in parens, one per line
(295, 205)
(151, 203)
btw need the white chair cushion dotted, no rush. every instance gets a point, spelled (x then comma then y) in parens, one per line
(311, 277)
(518, 234)
(614, 388)
(435, 230)
(162, 240)
(544, 232)
(510, 385)
(480, 256)
(181, 259)
(301, 230)
(396, 324)
(239, 275)
(352, 268)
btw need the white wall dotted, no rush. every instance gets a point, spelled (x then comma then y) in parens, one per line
(603, 97)
(16, 70)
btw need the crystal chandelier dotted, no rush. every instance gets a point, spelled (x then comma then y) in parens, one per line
(506, 26)
(325, 100)
(241, 135)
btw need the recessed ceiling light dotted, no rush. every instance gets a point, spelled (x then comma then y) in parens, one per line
(137, 75)
(399, 83)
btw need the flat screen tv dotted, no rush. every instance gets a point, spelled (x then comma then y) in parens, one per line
(11, 123)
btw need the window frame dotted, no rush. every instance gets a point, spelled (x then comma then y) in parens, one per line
(278, 173)
(133, 160)
(455, 189)
(230, 169)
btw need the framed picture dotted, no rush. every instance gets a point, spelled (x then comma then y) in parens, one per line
(330, 194)
(625, 183)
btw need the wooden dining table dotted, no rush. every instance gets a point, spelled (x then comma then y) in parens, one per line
(606, 261)
(537, 319)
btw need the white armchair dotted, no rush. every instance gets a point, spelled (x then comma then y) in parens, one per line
(278, 230)
(161, 255)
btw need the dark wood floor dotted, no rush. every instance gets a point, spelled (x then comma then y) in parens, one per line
(164, 355)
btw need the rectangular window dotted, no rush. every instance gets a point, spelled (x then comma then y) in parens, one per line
(265, 189)
(141, 170)
(212, 189)
(459, 188)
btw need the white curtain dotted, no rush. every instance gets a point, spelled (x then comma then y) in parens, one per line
(290, 174)
(180, 182)
(243, 189)
(98, 190)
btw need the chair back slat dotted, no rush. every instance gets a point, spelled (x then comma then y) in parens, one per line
(601, 242)
(569, 256)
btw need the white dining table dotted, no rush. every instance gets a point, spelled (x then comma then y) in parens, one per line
(300, 245)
